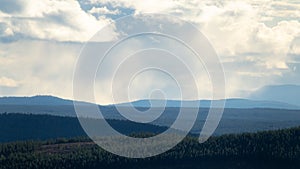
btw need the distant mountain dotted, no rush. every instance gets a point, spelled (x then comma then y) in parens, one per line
(229, 103)
(240, 115)
(39, 100)
(281, 93)
(35, 100)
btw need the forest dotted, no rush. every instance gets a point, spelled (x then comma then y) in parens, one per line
(269, 149)
(21, 127)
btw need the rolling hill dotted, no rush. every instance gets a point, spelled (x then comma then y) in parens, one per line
(265, 150)
(239, 116)
(17, 127)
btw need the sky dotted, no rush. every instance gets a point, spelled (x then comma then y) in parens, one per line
(257, 41)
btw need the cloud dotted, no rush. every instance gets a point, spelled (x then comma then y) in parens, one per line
(255, 52)
(284, 9)
(104, 11)
(153, 6)
(51, 20)
(234, 27)
(159, 53)
(38, 67)
(7, 82)
(257, 41)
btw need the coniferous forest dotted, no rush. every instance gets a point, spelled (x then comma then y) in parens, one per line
(263, 150)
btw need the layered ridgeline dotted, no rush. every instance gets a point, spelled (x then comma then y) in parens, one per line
(281, 93)
(265, 150)
(240, 115)
(229, 103)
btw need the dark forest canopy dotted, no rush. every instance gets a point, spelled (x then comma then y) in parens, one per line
(17, 127)
(272, 149)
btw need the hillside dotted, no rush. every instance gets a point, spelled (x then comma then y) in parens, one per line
(17, 127)
(234, 120)
(265, 150)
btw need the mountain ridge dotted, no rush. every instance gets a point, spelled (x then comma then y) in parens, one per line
(282, 93)
(229, 103)
(43, 100)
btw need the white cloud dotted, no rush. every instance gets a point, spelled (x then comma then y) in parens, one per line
(7, 82)
(240, 35)
(38, 67)
(254, 39)
(104, 11)
(152, 6)
(53, 20)
(234, 27)
(285, 9)
(295, 47)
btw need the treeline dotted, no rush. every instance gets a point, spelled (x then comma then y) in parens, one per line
(16, 127)
(273, 149)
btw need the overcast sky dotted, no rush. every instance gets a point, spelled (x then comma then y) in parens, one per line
(258, 41)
